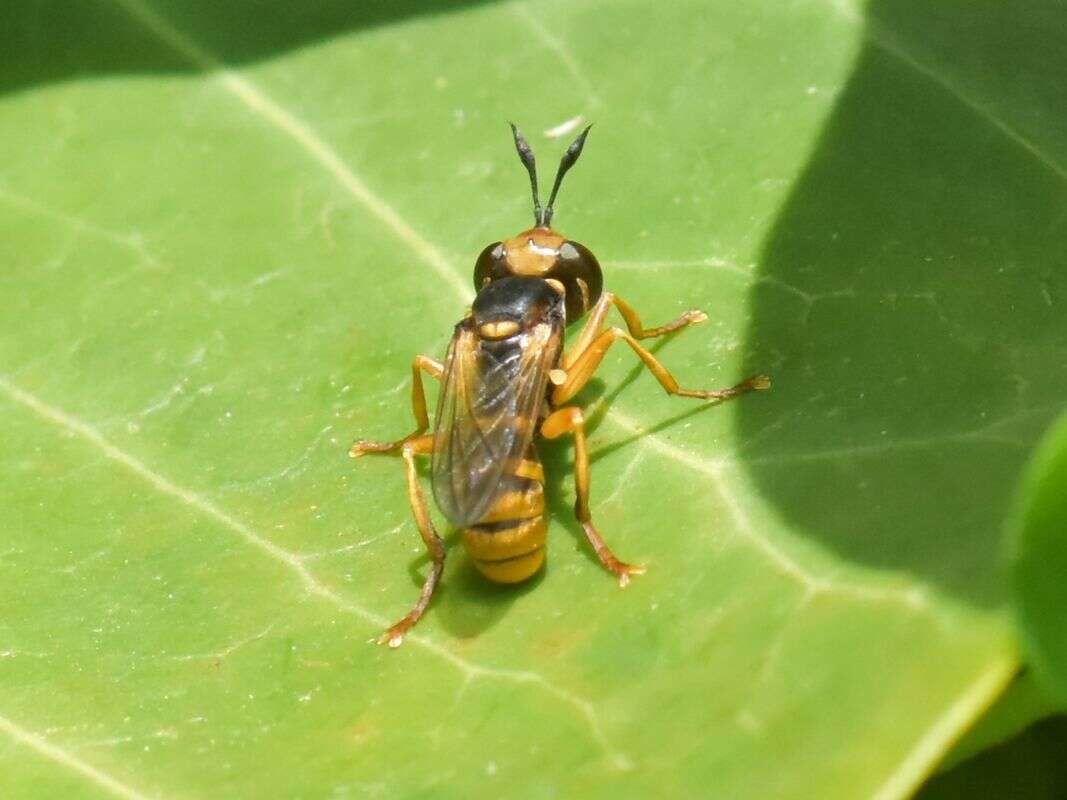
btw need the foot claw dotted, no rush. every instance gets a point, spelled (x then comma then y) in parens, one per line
(364, 446)
(392, 637)
(624, 571)
(760, 382)
(696, 316)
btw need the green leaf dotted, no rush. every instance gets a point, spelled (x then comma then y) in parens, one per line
(1028, 766)
(1039, 561)
(1018, 708)
(226, 228)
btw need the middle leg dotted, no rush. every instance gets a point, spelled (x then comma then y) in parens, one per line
(570, 420)
(435, 369)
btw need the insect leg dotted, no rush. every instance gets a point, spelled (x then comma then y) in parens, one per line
(418, 446)
(595, 324)
(583, 367)
(570, 420)
(418, 406)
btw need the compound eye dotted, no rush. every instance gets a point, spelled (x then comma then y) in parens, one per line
(579, 271)
(490, 265)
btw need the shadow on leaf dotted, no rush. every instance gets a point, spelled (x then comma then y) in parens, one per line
(55, 41)
(912, 319)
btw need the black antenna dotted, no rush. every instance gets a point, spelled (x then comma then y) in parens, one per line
(565, 164)
(527, 157)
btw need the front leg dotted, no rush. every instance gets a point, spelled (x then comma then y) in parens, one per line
(435, 369)
(595, 324)
(585, 365)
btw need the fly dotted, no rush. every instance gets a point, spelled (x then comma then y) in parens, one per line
(507, 379)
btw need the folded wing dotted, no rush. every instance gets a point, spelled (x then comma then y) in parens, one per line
(489, 408)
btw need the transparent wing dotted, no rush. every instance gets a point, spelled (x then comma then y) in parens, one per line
(486, 415)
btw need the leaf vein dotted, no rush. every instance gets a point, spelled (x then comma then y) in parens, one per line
(53, 752)
(884, 41)
(295, 563)
(913, 597)
(296, 129)
(560, 50)
(260, 103)
(128, 241)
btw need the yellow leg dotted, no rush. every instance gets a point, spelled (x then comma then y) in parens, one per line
(419, 446)
(595, 324)
(418, 406)
(570, 420)
(586, 363)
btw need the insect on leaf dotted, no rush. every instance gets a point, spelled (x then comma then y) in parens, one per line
(226, 229)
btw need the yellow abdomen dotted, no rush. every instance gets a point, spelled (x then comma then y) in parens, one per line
(508, 543)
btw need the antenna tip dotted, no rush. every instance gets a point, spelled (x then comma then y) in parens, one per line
(579, 143)
(520, 142)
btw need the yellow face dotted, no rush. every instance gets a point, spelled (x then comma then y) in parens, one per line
(542, 253)
(533, 252)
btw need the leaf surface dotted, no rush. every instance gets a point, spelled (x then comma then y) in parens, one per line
(1039, 561)
(226, 230)
(1028, 765)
